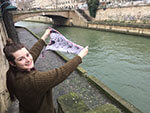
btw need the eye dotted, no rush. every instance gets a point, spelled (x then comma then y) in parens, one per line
(27, 54)
(20, 59)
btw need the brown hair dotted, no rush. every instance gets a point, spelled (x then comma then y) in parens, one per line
(9, 49)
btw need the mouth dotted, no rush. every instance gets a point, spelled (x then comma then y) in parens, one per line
(29, 64)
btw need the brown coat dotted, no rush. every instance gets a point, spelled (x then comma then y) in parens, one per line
(34, 89)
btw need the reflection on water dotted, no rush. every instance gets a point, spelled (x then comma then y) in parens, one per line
(122, 62)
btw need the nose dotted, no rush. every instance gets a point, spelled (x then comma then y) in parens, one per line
(27, 59)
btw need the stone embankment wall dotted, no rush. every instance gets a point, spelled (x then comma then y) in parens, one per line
(137, 14)
(4, 96)
(121, 29)
(130, 20)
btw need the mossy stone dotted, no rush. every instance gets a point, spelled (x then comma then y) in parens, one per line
(71, 103)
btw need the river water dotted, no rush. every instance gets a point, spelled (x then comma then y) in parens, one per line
(122, 62)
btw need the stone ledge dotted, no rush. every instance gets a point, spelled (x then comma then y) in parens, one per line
(106, 108)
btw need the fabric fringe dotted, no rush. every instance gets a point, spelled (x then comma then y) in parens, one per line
(4, 101)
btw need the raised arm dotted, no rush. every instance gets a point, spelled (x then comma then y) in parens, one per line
(43, 81)
(38, 46)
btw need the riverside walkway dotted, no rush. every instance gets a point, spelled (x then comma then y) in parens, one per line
(91, 96)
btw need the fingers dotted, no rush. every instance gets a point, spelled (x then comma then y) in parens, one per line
(86, 47)
(47, 32)
(83, 52)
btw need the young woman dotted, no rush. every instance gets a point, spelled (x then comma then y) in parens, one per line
(31, 87)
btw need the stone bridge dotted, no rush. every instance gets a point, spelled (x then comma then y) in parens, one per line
(59, 17)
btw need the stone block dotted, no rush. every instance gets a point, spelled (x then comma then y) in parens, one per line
(71, 103)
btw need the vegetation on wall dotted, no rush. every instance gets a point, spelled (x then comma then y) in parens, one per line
(92, 7)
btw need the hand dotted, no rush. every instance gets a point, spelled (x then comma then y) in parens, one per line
(46, 34)
(83, 52)
(47, 31)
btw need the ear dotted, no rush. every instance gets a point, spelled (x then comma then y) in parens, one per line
(12, 63)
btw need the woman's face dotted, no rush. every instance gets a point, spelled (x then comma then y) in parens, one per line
(23, 59)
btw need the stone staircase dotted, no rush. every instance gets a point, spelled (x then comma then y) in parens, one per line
(84, 15)
(72, 103)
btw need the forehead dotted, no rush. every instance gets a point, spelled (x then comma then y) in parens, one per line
(21, 52)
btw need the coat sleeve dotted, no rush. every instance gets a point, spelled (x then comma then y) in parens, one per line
(36, 49)
(43, 81)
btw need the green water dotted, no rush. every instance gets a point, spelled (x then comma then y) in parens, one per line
(122, 62)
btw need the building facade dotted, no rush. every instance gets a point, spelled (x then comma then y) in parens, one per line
(74, 4)
(55, 4)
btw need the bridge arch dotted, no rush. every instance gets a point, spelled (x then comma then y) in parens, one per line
(58, 17)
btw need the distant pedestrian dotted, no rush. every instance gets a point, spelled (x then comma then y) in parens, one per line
(31, 87)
